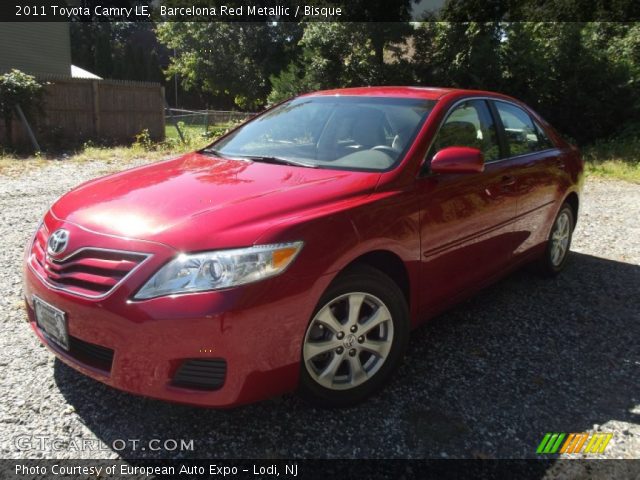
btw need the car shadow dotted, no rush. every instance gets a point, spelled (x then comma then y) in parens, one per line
(487, 379)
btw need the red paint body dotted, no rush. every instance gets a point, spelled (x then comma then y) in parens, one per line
(453, 233)
(457, 160)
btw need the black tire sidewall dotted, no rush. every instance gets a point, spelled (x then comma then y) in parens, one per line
(367, 280)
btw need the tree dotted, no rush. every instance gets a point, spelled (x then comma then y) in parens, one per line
(289, 83)
(458, 54)
(578, 86)
(523, 71)
(620, 44)
(346, 54)
(352, 52)
(572, 73)
(232, 61)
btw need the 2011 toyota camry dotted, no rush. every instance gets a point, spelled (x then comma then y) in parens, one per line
(300, 249)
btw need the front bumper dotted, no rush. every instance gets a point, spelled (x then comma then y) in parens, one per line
(257, 329)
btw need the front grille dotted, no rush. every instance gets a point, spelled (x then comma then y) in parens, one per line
(89, 272)
(91, 354)
(201, 374)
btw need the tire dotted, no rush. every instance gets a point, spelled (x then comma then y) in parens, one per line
(556, 252)
(338, 365)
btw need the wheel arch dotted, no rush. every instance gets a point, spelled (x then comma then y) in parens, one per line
(388, 263)
(574, 202)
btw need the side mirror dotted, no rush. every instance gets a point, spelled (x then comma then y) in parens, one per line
(458, 160)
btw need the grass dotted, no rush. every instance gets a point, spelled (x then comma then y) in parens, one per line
(617, 169)
(187, 131)
(617, 158)
(118, 156)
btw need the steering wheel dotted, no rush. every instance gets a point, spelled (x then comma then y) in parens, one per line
(386, 149)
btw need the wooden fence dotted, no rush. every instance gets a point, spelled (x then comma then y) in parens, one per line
(77, 110)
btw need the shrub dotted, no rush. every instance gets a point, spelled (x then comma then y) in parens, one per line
(18, 88)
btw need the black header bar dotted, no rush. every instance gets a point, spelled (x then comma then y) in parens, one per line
(319, 10)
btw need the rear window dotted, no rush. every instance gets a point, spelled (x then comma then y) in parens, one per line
(523, 135)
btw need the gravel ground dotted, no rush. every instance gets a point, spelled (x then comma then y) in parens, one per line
(488, 379)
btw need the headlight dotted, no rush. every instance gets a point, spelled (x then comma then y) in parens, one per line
(199, 272)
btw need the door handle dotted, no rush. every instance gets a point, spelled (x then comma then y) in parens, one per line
(501, 186)
(508, 180)
(560, 163)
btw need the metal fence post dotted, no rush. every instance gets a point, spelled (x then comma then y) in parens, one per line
(174, 122)
(96, 109)
(32, 137)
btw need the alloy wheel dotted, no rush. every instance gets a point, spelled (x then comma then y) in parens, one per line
(560, 238)
(348, 341)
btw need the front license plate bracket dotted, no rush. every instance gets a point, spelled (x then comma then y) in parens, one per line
(52, 322)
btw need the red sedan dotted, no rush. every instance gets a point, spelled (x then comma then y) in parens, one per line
(299, 250)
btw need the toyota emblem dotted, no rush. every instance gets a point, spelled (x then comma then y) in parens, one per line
(57, 242)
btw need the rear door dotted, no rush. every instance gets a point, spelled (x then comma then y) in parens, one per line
(466, 219)
(536, 165)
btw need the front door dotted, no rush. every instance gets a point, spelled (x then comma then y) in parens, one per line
(466, 223)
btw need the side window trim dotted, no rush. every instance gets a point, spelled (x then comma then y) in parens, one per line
(542, 132)
(502, 138)
(451, 110)
(534, 122)
(425, 169)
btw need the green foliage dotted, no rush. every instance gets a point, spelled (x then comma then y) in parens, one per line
(18, 88)
(343, 55)
(289, 83)
(458, 54)
(579, 88)
(232, 61)
(143, 140)
(620, 43)
(582, 77)
(219, 130)
(616, 157)
(572, 73)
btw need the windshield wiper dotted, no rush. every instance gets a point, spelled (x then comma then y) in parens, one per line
(278, 161)
(212, 151)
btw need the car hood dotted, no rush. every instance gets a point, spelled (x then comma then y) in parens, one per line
(198, 200)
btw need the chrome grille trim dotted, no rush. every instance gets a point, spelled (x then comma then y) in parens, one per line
(144, 258)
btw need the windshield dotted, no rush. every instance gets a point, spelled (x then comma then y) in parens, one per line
(355, 133)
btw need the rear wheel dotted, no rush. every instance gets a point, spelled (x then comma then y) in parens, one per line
(559, 242)
(355, 340)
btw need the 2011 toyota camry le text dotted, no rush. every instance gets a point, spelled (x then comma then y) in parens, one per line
(299, 250)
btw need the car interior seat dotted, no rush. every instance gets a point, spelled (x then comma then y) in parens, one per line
(367, 129)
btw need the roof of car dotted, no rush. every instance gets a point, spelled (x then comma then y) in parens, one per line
(429, 93)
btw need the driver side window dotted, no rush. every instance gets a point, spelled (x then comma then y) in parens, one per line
(470, 124)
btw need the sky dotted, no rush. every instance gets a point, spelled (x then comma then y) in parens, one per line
(425, 6)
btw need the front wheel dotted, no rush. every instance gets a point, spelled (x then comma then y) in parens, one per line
(355, 340)
(559, 242)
